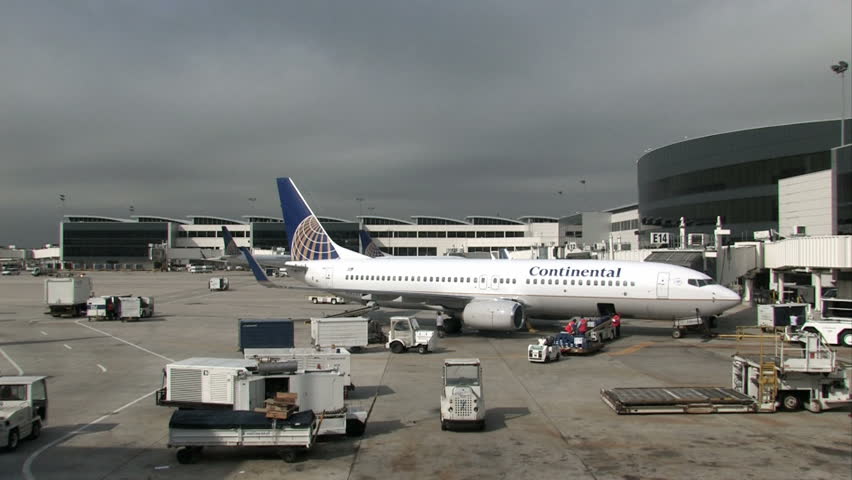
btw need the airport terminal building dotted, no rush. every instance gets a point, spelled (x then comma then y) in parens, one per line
(753, 179)
(787, 179)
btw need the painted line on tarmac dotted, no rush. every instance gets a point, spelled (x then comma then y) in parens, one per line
(125, 341)
(7, 357)
(43, 333)
(27, 469)
(633, 349)
(103, 368)
(66, 346)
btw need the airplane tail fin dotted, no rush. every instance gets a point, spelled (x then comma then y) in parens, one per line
(369, 247)
(308, 239)
(256, 269)
(231, 247)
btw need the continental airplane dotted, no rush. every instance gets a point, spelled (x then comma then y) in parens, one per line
(488, 294)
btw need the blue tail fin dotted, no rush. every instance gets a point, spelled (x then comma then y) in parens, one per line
(231, 247)
(256, 269)
(308, 239)
(369, 247)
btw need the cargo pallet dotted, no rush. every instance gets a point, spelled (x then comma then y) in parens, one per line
(655, 400)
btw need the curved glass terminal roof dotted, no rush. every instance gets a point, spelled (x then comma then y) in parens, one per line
(208, 220)
(332, 220)
(432, 220)
(537, 219)
(374, 220)
(262, 219)
(94, 219)
(488, 220)
(154, 219)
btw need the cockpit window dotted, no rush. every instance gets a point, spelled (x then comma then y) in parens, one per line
(700, 282)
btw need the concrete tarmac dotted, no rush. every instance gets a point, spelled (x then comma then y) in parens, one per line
(542, 419)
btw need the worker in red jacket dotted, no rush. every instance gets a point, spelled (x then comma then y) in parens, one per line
(584, 326)
(571, 328)
(616, 322)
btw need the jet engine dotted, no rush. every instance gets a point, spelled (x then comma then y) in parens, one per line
(503, 315)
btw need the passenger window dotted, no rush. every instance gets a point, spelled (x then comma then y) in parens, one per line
(535, 281)
(596, 283)
(610, 283)
(618, 283)
(572, 283)
(632, 284)
(588, 282)
(514, 281)
(528, 281)
(474, 279)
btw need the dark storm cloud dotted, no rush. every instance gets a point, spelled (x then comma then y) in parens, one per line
(421, 107)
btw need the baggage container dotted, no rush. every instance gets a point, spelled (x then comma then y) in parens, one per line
(266, 333)
(350, 332)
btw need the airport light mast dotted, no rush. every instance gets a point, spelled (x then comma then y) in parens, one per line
(840, 69)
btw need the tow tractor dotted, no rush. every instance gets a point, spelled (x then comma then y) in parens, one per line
(462, 395)
(405, 333)
(23, 409)
(544, 351)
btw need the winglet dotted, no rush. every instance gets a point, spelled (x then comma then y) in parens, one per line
(258, 272)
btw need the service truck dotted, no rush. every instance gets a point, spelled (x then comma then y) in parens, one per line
(405, 333)
(134, 308)
(23, 409)
(246, 384)
(544, 351)
(67, 295)
(351, 333)
(462, 394)
(332, 299)
(217, 284)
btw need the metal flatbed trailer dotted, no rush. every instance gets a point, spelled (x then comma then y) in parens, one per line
(195, 429)
(650, 400)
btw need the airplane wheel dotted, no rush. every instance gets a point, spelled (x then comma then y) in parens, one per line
(677, 333)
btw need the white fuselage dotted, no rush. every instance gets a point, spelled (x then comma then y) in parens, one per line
(546, 288)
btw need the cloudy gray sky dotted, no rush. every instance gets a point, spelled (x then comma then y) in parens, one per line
(421, 107)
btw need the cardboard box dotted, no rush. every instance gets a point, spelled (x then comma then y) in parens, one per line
(286, 398)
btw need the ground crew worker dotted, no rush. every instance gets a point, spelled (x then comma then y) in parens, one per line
(439, 324)
(584, 326)
(571, 327)
(616, 322)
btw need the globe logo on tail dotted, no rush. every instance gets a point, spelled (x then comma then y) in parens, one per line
(310, 242)
(373, 251)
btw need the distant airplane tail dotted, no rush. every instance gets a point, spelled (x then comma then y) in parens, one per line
(369, 247)
(231, 247)
(256, 269)
(308, 239)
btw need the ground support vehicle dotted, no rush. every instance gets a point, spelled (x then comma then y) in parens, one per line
(576, 344)
(103, 308)
(134, 308)
(780, 315)
(23, 409)
(192, 430)
(338, 359)
(67, 296)
(794, 377)
(332, 299)
(218, 284)
(204, 383)
(649, 400)
(601, 329)
(266, 333)
(544, 351)
(405, 333)
(462, 394)
(351, 333)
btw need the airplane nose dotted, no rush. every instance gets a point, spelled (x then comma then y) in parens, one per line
(727, 297)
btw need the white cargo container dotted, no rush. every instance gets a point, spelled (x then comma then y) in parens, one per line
(67, 295)
(134, 308)
(218, 283)
(347, 332)
(308, 358)
(244, 385)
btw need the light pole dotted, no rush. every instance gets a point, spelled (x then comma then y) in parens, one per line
(840, 69)
(360, 201)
